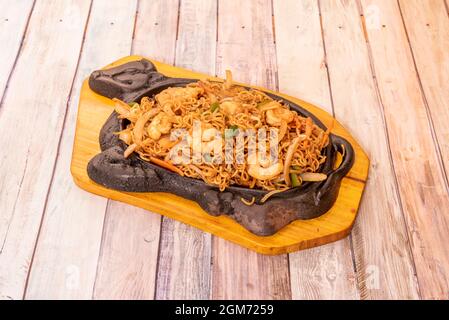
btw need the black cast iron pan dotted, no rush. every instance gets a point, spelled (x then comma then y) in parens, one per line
(134, 80)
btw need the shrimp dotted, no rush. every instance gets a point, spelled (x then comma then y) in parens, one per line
(166, 143)
(268, 173)
(275, 117)
(230, 107)
(161, 124)
(140, 124)
(178, 93)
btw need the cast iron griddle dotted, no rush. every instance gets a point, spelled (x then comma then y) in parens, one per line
(134, 80)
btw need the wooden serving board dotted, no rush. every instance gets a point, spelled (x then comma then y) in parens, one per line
(300, 234)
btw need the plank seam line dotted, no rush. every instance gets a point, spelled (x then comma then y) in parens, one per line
(273, 26)
(276, 71)
(390, 154)
(57, 153)
(108, 202)
(163, 218)
(329, 85)
(15, 201)
(276, 78)
(331, 96)
(212, 274)
(175, 46)
(211, 266)
(216, 32)
(19, 51)
(100, 251)
(156, 270)
(288, 293)
(134, 26)
(426, 106)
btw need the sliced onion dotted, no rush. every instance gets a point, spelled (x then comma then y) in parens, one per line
(313, 176)
(140, 124)
(288, 158)
(121, 107)
(228, 82)
(131, 148)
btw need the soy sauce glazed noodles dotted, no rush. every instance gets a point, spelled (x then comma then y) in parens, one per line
(223, 111)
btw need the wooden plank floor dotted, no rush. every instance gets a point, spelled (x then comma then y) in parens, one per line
(380, 66)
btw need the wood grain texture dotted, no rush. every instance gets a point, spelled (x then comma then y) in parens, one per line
(301, 60)
(427, 26)
(383, 261)
(325, 272)
(155, 31)
(185, 252)
(197, 32)
(411, 72)
(428, 31)
(41, 84)
(13, 21)
(67, 252)
(128, 258)
(246, 46)
(420, 177)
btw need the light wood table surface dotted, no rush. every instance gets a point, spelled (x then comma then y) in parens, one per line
(380, 66)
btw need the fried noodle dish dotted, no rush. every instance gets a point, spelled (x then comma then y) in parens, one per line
(224, 109)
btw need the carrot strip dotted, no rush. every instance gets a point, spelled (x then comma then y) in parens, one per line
(166, 165)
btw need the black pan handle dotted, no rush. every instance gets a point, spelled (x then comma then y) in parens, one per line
(132, 81)
(342, 146)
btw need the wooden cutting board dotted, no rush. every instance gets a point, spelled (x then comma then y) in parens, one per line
(300, 234)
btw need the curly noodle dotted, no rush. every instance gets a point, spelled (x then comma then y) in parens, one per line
(218, 106)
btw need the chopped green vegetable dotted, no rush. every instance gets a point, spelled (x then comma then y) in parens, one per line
(131, 104)
(295, 180)
(214, 106)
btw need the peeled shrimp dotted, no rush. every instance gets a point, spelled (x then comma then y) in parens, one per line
(161, 124)
(268, 173)
(140, 124)
(230, 107)
(178, 93)
(275, 117)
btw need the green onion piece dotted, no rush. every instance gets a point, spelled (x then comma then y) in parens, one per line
(295, 180)
(214, 106)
